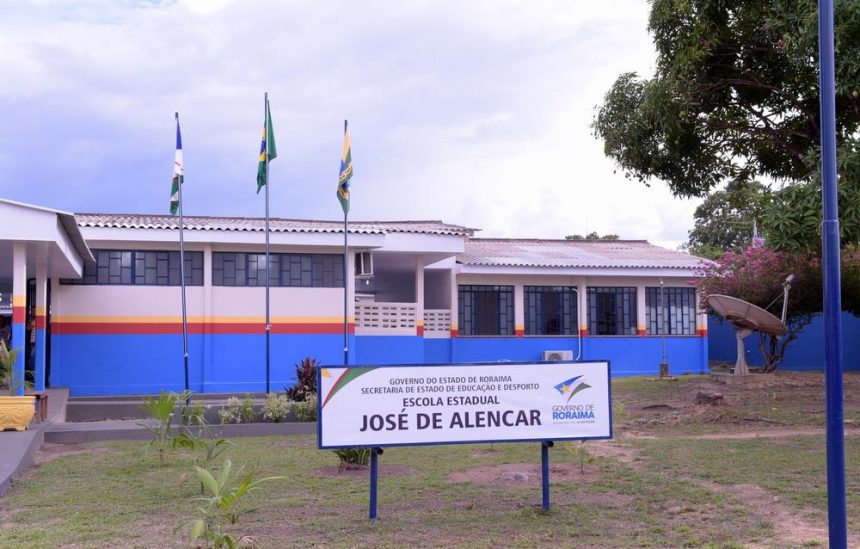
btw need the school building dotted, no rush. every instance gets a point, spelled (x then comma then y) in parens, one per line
(95, 300)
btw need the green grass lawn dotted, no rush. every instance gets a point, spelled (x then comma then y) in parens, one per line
(119, 494)
(657, 485)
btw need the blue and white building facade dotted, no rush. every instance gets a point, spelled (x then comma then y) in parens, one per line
(418, 292)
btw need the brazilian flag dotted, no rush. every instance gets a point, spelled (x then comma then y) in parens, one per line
(345, 171)
(267, 147)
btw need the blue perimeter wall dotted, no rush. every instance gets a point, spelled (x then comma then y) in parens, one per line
(120, 364)
(804, 353)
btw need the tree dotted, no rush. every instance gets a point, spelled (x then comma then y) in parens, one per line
(757, 274)
(727, 219)
(735, 99)
(591, 236)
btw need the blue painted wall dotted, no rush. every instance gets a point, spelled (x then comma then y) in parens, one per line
(489, 349)
(144, 364)
(804, 353)
(389, 350)
(633, 356)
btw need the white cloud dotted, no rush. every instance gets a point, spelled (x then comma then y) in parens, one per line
(475, 113)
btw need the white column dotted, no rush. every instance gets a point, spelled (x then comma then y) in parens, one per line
(640, 309)
(206, 319)
(39, 380)
(419, 295)
(455, 305)
(582, 290)
(519, 310)
(19, 313)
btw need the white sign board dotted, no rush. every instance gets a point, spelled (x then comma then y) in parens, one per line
(410, 405)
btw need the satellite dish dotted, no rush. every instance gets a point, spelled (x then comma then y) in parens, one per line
(745, 315)
(746, 318)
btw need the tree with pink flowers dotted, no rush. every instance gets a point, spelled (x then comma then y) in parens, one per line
(757, 274)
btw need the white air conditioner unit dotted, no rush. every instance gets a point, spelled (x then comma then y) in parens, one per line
(364, 264)
(557, 356)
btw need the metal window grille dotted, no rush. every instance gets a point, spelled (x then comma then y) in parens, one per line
(611, 311)
(671, 311)
(140, 267)
(285, 270)
(550, 310)
(486, 310)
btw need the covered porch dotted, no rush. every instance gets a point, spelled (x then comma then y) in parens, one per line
(408, 294)
(36, 245)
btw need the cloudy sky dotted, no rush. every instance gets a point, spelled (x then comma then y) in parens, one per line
(474, 112)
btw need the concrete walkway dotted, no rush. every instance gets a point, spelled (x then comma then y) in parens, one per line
(18, 448)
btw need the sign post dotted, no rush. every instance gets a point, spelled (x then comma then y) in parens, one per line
(393, 405)
(544, 471)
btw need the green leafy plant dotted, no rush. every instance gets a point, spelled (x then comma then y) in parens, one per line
(246, 411)
(353, 458)
(222, 506)
(193, 413)
(578, 450)
(276, 408)
(307, 409)
(238, 411)
(306, 380)
(160, 408)
(7, 368)
(230, 413)
(205, 450)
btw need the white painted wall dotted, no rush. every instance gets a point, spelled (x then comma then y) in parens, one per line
(437, 289)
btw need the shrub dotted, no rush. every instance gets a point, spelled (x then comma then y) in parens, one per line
(276, 408)
(230, 413)
(194, 413)
(246, 410)
(306, 380)
(237, 411)
(353, 458)
(307, 409)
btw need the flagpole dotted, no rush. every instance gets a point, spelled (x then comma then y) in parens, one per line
(268, 324)
(830, 249)
(345, 280)
(182, 274)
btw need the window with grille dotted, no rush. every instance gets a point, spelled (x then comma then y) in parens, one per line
(550, 310)
(486, 310)
(140, 268)
(611, 311)
(670, 311)
(299, 270)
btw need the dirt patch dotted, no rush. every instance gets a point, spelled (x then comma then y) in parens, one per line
(514, 474)
(50, 451)
(361, 472)
(157, 530)
(609, 449)
(792, 528)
